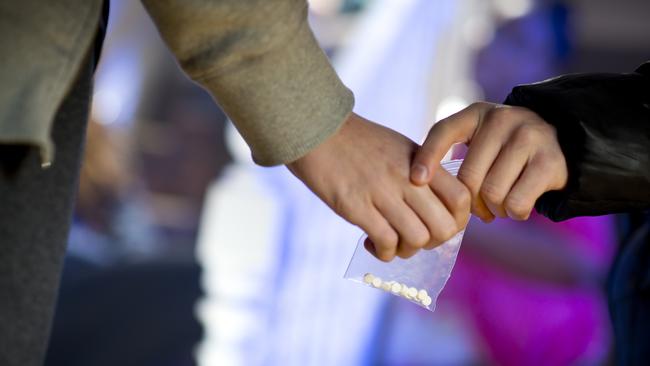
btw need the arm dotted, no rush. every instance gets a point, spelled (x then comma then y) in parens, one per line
(260, 61)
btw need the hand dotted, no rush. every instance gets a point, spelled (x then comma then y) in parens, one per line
(362, 173)
(513, 157)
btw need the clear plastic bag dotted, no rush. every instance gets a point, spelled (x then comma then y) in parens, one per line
(419, 278)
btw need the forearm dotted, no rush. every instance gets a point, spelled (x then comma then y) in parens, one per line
(260, 61)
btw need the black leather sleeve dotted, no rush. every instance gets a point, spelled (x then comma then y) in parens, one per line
(603, 126)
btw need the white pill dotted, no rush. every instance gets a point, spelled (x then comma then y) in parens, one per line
(427, 301)
(405, 292)
(386, 286)
(396, 288)
(376, 282)
(422, 294)
(368, 277)
(413, 292)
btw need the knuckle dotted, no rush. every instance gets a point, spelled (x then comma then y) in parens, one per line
(444, 127)
(479, 105)
(445, 233)
(397, 169)
(505, 116)
(497, 119)
(385, 238)
(462, 199)
(413, 237)
(550, 167)
(526, 135)
(420, 239)
(543, 162)
(449, 232)
(547, 164)
(470, 177)
(547, 128)
(504, 113)
(437, 127)
(492, 193)
(553, 156)
(518, 207)
(520, 113)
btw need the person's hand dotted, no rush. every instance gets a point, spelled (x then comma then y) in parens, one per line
(362, 173)
(513, 157)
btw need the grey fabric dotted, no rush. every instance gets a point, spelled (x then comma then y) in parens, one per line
(43, 44)
(258, 58)
(35, 213)
(262, 64)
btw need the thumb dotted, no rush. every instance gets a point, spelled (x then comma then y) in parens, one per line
(457, 128)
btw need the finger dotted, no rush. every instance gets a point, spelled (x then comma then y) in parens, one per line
(532, 183)
(413, 233)
(453, 194)
(456, 128)
(482, 152)
(381, 235)
(370, 247)
(440, 223)
(503, 174)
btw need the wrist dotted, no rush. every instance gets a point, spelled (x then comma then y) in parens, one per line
(352, 120)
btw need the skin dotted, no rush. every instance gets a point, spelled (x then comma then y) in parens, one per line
(362, 173)
(513, 157)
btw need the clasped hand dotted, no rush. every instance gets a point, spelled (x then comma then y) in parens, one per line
(398, 193)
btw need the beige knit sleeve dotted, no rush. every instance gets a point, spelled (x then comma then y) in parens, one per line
(260, 61)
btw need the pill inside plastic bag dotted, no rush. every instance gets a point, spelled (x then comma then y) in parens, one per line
(418, 279)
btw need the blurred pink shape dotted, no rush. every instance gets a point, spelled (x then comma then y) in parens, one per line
(520, 321)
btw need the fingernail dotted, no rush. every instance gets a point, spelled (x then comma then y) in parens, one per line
(419, 173)
(488, 219)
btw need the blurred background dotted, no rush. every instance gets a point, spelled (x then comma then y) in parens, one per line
(184, 252)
